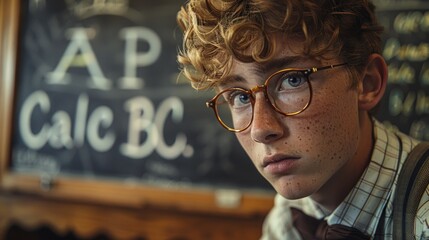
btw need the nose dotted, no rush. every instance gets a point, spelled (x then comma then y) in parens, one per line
(267, 125)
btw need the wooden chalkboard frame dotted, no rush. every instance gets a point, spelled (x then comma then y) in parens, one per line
(97, 191)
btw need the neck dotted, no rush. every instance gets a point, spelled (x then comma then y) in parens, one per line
(340, 185)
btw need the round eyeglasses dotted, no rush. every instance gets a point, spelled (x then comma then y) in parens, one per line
(288, 91)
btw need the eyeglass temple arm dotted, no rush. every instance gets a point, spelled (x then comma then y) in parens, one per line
(326, 67)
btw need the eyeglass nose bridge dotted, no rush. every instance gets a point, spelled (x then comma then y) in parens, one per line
(260, 88)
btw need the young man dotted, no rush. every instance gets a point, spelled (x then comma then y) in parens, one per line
(295, 81)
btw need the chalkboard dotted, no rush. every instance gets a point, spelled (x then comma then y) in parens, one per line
(98, 97)
(406, 50)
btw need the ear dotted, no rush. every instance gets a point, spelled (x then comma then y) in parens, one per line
(373, 82)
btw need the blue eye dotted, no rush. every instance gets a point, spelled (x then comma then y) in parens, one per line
(291, 80)
(239, 99)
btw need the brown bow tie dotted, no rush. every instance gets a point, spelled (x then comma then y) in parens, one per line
(313, 229)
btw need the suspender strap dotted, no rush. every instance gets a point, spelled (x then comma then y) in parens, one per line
(412, 182)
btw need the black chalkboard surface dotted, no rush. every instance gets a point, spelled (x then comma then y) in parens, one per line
(406, 50)
(98, 96)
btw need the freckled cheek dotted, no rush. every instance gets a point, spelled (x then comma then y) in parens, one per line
(326, 101)
(333, 105)
(314, 133)
(329, 123)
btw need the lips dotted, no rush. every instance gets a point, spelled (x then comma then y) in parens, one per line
(279, 164)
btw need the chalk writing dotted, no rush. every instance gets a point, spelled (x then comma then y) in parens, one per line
(411, 52)
(404, 73)
(63, 129)
(79, 53)
(142, 118)
(411, 22)
(406, 50)
(32, 160)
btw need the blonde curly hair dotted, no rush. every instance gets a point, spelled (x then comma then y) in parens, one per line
(218, 31)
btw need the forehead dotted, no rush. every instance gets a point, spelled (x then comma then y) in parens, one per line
(289, 53)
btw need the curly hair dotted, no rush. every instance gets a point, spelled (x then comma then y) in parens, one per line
(218, 31)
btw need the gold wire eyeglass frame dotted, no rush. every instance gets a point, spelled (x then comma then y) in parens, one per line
(306, 71)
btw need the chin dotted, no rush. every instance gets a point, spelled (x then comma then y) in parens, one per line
(293, 195)
(294, 190)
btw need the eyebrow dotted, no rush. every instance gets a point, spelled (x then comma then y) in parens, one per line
(267, 68)
(231, 79)
(280, 63)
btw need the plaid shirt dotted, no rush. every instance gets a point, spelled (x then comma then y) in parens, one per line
(368, 207)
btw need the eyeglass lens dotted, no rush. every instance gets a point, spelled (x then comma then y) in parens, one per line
(288, 91)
